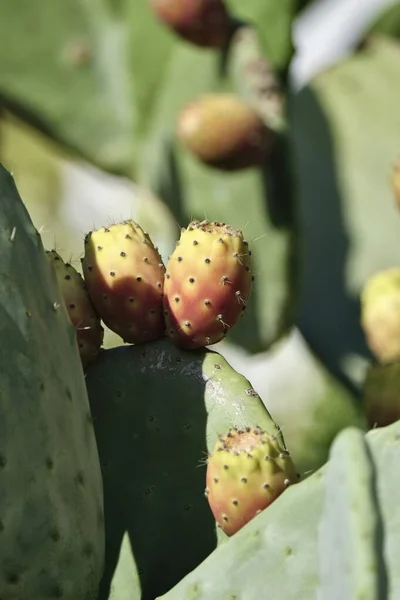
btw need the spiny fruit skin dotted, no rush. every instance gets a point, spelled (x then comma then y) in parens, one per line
(82, 314)
(224, 132)
(380, 314)
(204, 23)
(124, 274)
(246, 472)
(207, 284)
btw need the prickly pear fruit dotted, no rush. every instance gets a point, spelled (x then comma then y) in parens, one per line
(246, 472)
(124, 275)
(89, 332)
(224, 132)
(204, 23)
(207, 284)
(380, 314)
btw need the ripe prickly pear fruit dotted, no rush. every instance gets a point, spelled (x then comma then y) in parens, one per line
(204, 23)
(89, 332)
(124, 275)
(246, 472)
(207, 284)
(380, 314)
(224, 132)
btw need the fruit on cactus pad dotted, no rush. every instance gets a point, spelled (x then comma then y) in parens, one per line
(224, 132)
(380, 314)
(204, 23)
(246, 472)
(124, 275)
(89, 332)
(207, 284)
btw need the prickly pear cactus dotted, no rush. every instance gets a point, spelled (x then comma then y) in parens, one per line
(157, 413)
(350, 538)
(280, 546)
(51, 504)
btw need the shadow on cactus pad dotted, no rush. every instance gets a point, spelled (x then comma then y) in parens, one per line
(157, 411)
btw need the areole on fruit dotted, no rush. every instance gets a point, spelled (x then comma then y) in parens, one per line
(207, 285)
(224, 132)
(246, 472)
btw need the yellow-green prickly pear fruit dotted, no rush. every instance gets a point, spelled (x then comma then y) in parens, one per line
(207, 284)
(224, 132)
(89, 332)
(124, 275)
(246, 472)
(380, 314)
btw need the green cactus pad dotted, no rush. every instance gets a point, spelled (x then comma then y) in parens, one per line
(350, 539)
(157, 412)
(51, 501)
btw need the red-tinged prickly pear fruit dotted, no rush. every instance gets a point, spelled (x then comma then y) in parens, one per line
(224, 132)
(89, 332)
(124, 275)
(204, 23)
(246, 472)
(207, 284)
(380, 314)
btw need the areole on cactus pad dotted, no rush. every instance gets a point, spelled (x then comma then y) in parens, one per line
(207, 284)
(124, 273)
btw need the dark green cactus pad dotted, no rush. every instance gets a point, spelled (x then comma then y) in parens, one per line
(157, 411)
(278, 550)
(51, 501)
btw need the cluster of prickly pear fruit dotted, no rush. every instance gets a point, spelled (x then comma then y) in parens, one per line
(195, 301)
(246, 472)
